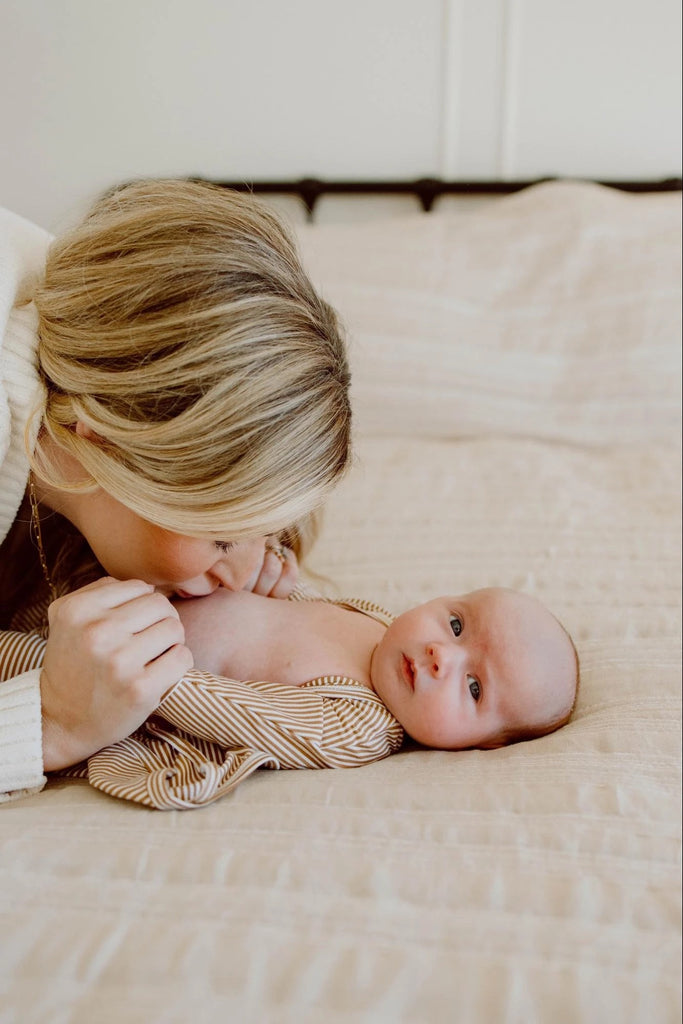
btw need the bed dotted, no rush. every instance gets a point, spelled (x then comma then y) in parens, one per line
(517, 405)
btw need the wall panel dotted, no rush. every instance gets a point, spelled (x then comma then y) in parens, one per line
(594, 88)
(95, 92)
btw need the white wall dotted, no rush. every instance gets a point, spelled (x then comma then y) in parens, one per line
(96, 91)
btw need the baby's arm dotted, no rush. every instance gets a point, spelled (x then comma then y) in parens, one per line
(225, 630)
(210, 624)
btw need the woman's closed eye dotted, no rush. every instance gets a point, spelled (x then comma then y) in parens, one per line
(224, 546)
(475, 688)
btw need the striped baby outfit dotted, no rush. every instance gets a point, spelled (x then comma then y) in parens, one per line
(209, 733)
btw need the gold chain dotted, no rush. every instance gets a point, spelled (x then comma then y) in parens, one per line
(35, 520)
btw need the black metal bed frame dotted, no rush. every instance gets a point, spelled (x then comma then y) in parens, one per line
(426, 190)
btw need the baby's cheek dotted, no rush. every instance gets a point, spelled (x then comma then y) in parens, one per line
(438, 724)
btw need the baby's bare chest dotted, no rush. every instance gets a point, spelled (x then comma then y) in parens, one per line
(299, 641)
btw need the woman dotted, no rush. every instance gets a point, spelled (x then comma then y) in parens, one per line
(173, 411)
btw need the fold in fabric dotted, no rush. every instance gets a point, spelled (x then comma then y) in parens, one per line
(209, 734)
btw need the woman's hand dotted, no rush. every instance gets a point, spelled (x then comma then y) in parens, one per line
(114, 648)
(279, 571)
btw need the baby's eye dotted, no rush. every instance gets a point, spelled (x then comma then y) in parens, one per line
(224, 545)
(455, 624)
(474, 688)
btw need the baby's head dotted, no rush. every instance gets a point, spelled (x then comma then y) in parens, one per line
(481, 670)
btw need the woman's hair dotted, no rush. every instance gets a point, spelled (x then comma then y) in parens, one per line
(177, 324)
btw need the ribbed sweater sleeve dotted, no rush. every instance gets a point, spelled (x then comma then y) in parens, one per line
(21, 745)
(23, 248)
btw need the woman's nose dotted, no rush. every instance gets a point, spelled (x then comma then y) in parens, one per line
(239, 569)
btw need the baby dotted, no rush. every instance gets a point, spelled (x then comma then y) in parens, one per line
(481, 670)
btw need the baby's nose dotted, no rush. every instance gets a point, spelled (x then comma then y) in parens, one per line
(438, 660)
(443, 659)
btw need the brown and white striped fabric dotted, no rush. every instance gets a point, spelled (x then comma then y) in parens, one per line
(209, 733)
(22, 647)
(20, 652)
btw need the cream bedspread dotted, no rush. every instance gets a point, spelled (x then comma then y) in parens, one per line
(517, 387)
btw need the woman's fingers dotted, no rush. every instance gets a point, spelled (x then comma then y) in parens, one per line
(279, 572)
(148, 644)
(164, 672)
(113, 609)
(114, 649)
(98, 598)
(139, 613)
(108, 592)
(288, 577)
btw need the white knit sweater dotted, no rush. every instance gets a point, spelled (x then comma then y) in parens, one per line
(23, 247)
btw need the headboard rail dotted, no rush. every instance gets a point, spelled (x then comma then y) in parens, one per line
(426, 190)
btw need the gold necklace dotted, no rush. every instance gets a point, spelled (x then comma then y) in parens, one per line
(35, 522)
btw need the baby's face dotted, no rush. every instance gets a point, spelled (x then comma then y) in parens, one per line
(461, 671)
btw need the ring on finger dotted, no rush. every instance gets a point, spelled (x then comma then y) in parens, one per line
(279, 552)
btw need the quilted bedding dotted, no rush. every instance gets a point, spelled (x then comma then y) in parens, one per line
(517, 394)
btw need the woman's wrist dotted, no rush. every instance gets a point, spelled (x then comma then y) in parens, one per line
(61, 748)
(55, 746)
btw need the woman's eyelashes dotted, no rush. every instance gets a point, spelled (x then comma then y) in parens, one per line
(455, 622)
(474, 688)
(224, 546)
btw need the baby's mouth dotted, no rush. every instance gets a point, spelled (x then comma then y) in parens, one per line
(408, 669)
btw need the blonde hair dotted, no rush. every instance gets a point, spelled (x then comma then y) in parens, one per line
(177, 323)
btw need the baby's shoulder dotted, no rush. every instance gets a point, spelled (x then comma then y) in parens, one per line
(369, 608)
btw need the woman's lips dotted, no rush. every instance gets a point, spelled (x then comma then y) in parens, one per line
(188, 595)
(408, 670)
